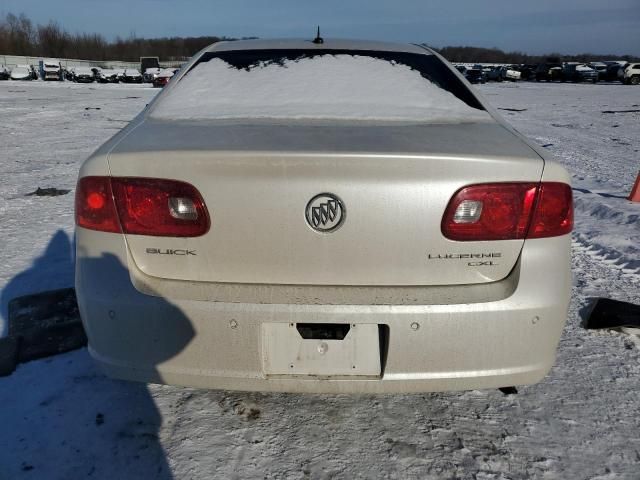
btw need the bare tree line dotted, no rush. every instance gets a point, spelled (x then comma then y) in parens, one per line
(20, 36)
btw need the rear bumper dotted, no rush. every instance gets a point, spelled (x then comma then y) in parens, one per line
(213, 344)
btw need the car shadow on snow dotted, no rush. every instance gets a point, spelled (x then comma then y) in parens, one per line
(51, 270)
(63, 417)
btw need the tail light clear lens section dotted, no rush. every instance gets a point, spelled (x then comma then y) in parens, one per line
(183, 208)
(143, 206)
(468, 211)
(509, 211)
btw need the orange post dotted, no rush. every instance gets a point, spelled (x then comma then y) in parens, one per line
(634, 196)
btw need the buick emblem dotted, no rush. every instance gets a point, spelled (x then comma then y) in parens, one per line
(325, 212)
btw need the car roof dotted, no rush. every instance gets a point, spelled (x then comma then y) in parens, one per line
(307, 44)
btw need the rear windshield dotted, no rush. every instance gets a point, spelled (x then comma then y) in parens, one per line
(320, 84)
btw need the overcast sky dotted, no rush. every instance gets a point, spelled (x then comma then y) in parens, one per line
(539, 26)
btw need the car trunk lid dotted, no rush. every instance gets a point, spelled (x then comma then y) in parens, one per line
(394, 182)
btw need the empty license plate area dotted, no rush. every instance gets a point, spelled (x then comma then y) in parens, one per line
(321, 349)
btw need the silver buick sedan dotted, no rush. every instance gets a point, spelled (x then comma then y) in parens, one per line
(323, 217)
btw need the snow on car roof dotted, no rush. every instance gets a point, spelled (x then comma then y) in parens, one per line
(340, 86)
(167, 72)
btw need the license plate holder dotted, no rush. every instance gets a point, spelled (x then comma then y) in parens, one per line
(285, 352)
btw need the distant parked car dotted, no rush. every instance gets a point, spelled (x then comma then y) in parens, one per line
(150, 74)
(163, 77)
(600, 68)
(578, 72)
(147, 63)
(5, 74)
(500, 73)
(494, 73)
(615, 70)
(527, 72)
(632, 74)
(512, 74)
(108, 76)
(50, 69)
(119, 74)
(549, 72)
(22, 72)
(475, 75)
(83, 75)
(131, 75)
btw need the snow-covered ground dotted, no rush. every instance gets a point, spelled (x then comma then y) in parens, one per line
(46, 132)
(60, 418)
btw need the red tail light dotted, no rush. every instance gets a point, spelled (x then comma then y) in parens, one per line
(141, 206)
(554, 211)
(509, 211)
(95, 209)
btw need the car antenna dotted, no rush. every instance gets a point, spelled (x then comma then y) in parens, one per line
(318, 40)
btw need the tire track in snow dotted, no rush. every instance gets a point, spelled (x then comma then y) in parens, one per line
(606, 255)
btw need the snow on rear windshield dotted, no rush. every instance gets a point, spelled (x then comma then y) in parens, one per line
(348, 87)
